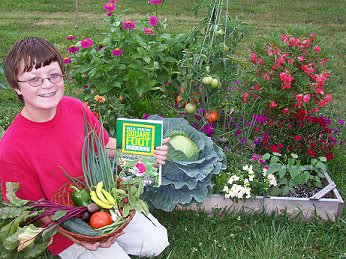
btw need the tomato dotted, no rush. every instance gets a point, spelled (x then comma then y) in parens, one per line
(215, 83)
(207, 80)
(212, 116)
(190, 107)
(100, 219)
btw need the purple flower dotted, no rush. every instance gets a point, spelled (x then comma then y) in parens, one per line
(148, 31)
(236, 82)
(200, 111)
(129, 25)
(259, 118)
(73, 49)
(155, 1)
(146, 116)
(208, 130)
(153, 21)
(110, 7)
(257, 141)
(117, 52)
(67, 60)
(86, 43)
(341, 121)
(237, 133)
(242, 140)
(70, 37)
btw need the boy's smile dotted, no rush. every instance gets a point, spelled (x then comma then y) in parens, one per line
(40, 102)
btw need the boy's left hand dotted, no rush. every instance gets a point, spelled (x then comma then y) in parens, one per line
(160, 153)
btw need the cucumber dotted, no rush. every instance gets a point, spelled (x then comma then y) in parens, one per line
(78, 226)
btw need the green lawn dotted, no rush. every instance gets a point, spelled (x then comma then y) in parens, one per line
(197, 235)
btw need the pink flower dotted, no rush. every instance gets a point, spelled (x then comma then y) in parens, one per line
(290, 61)
(284, 38)
(274, 148)
(67, 60)
(70, 37)
(273, 104)
(155, 1)
(153, 21)
(317, 49)
(110, 7)
(245, 95)
(286, 111)
(86, 43)
(311, 153)
(300, 58)
(297, 138)
(306, 98)
(129, 25)
(149, 31)
(117, 52)
(299, 97)
(73, 49)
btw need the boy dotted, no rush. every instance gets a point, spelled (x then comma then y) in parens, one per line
(49, 132)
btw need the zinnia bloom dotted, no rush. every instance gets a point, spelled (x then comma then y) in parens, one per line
(86, 43)
(67, 60)
(110, 7)
(70, 37)
(73, 49)
(117, 52)
(129, 25)
(155, 1)
(149, 31)
(99, 98)
(153, 21)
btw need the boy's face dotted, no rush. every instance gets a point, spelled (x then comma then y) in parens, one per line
(43, 99)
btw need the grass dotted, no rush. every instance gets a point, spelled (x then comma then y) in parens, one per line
(197, 235)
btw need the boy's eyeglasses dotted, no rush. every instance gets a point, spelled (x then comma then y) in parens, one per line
(37, 81)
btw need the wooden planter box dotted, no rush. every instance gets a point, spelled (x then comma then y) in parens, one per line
(327, 204)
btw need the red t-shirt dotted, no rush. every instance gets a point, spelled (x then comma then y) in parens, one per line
(31, 153)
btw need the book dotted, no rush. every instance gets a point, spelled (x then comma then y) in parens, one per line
(136, 142)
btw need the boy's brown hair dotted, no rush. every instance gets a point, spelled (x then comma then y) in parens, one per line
(29, 52)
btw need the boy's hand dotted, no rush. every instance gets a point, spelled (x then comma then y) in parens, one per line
(161, 152)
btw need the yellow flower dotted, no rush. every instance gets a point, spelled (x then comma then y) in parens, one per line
(99, 98)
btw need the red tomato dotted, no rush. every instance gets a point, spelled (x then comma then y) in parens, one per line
(212, 116)
(100, 219)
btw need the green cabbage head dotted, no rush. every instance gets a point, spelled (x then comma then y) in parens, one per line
(192, 160)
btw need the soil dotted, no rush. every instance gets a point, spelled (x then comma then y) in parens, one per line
(303, 191)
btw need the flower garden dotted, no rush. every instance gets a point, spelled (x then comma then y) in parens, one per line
(269, 109)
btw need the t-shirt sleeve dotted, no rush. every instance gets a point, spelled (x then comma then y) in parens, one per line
(29, 185)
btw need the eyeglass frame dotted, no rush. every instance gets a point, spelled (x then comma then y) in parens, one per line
(42, 80)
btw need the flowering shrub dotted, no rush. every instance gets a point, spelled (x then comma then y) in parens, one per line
(292, 75)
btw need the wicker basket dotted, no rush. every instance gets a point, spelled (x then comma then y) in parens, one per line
(63, 196)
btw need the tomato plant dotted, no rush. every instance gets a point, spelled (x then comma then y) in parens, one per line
(100, 219)
(212, 116)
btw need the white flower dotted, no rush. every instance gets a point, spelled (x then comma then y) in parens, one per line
(250, 170)
(245, 167)
(232, 179)
(251, 177)
(272, 180)
(225, 188)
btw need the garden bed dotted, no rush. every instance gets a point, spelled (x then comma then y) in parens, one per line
(326, 204)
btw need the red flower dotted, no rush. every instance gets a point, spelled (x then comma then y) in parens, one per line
(297, 138)
(274, 148)
(311, 153)
(329, 156)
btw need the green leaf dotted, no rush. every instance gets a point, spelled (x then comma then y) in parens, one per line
(294, 173)
(274, 160)
(313, 161)
(276, 154)
(11, 189)
(59, 214)
(147, 59)
(49, 232)
(295, 156)
(144, 206)
(323, 159)
(320, 165)
(266, 156)
(126, 210)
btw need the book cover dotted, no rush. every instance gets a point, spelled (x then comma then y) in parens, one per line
(136, 142)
